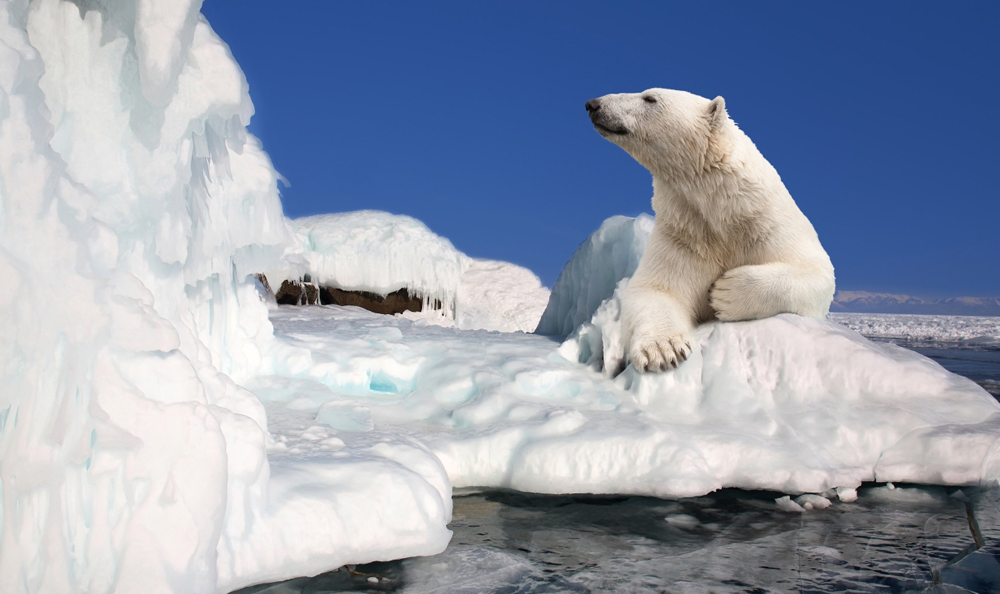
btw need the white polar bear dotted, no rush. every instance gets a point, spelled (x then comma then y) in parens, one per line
(728, 241)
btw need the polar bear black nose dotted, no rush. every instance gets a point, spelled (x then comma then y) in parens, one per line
(593, 105)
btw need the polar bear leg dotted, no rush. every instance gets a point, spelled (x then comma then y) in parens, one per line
(656, 329)
(763, 290)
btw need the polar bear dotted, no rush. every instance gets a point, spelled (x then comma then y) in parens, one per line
(728, 242)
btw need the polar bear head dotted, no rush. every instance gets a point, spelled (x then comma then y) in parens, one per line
(669, 132)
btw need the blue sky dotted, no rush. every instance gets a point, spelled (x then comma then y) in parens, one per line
(880, 117)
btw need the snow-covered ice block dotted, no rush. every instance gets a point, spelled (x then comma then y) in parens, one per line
(370, 250)
(379, 252)
(609, 255)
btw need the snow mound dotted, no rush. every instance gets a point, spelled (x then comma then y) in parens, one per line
(379, 252)
(609, 255)
(370, 250)
(496, 295)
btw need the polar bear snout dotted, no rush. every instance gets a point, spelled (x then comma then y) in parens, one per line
(605, 123)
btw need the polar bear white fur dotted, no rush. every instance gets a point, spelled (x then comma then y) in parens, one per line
(728, 243)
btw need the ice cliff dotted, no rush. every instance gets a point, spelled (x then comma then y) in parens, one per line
(133, 205)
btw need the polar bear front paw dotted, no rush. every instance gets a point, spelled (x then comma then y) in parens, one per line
(658, 355)
(735, 296)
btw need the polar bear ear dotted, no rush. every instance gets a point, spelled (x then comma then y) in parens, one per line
(717, 112)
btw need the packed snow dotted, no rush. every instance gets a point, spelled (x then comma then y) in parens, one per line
(971, 331)
(160, 433)
(379, 252)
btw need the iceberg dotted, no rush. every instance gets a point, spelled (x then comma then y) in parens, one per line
(134, 208)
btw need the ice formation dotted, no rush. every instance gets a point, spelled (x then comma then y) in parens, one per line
(370, 250)
(379, 252)
(787, 403)
(609, 255)
(133, 205)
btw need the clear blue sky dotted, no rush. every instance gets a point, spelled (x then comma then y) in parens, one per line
(881, 118)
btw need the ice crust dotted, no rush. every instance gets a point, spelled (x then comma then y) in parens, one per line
(160, 433)
(379, 252)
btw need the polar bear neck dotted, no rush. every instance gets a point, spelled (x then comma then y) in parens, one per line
(719, 204)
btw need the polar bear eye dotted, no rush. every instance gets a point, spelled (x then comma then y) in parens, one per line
(649, 98)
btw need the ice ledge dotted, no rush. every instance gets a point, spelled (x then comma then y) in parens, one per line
(787, 403)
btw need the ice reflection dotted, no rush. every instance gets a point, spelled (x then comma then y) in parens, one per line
(889, 540)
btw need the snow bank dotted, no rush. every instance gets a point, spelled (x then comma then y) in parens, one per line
(609, 255)
(501, 296)
(133, 207)
(379, 252)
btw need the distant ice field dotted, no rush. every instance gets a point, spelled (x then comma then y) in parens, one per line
(968, 331)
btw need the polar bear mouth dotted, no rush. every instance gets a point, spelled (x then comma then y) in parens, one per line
(603, 130)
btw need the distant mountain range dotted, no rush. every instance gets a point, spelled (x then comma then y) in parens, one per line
(865, 302)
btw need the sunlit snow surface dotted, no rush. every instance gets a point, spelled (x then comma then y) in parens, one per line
(759, 406)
